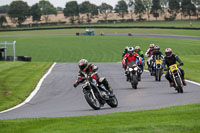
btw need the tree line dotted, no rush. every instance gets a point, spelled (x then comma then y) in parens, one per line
(19, 11)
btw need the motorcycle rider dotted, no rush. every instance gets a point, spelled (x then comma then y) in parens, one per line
(148, 53)
(169, 60)
(125, 52)
(91, 69)
(140, 53)
(156, 54)
(131, 56)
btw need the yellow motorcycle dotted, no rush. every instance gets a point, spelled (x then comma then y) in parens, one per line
(158, 69)
(175, 75)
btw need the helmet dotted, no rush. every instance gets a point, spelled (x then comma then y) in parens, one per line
(83, 64)
(152, 46)
(168, 52)
(137, 48)
(130, 51)
(156, 48)
(126, 48)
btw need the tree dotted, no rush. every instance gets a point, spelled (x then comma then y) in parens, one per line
(59, 9)
(121, 8)
(147, 5)
(2, 20)
(155, 8)
(163, 4)
(131, 7)
(197, 4)
(89, 9)
(104, 9)
(187, 8)
(139, 8)
(71, 10)
(47, 8)
(4, 9)
(18, 11)
(36, 12)
(174, 8)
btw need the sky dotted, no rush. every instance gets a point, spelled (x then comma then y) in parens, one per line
(61, 3)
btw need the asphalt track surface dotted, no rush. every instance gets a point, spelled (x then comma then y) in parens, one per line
(58, 98)
(133, 35)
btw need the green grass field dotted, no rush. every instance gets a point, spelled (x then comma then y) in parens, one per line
(18, 80)
(181, 119)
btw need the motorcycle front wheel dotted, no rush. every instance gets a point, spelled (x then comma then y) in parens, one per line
(93, 102)
(179, 87)
(134, 82)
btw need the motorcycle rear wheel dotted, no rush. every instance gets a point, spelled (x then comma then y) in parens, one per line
(113, 102)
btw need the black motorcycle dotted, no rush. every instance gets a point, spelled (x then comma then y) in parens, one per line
(158, 68)
(133, 74)
(96, 94)
(175, 75)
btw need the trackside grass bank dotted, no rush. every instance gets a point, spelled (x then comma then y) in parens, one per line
(17, 81)
(180, 119)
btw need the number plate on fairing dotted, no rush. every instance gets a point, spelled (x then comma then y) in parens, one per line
(173, 67)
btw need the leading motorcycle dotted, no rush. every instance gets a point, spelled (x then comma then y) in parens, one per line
(96, 94)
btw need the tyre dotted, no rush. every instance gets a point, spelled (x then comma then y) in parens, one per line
(134, 82)
(113, 102)
(158, 75)
(94, 103)
(179, 85)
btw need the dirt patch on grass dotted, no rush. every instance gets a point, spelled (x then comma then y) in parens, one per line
(6, 92)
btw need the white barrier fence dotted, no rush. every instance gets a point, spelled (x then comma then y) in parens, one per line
(4, 46)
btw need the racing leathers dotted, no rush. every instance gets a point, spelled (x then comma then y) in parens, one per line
(171, 61)
(148, 54)
(155, 55)
(140, 53)
(92, 70)
(128, 58)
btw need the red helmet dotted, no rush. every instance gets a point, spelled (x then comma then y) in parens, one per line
(137, 48)
(168, 52)
(83, 64)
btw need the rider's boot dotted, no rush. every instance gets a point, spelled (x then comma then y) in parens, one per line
(106, 84)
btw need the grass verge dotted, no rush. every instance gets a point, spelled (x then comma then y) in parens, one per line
(180, 119)
(18, 80)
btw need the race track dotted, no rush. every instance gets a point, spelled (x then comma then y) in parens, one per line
(58, 98)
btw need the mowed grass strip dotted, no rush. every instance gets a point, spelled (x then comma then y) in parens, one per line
(18, 80)
(180, 119)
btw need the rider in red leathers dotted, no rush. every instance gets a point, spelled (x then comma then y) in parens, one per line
(131, 56)
(91, 69)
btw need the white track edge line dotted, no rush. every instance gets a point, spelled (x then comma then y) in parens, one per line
(193, 82)
(34, 92)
